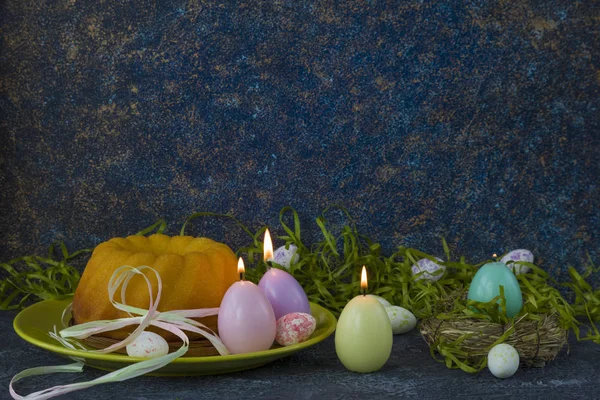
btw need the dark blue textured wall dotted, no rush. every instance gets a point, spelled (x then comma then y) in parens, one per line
(474, 120)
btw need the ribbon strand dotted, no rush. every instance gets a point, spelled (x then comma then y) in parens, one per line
(176, 322)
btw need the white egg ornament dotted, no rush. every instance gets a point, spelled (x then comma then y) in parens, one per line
(401, 319)
(503, 361)
(431, 270)
(383, 301)
(295, 328)
(148, 345)
(286, 257)
(518, 255)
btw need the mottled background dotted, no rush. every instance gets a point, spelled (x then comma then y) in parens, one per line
(477, 121)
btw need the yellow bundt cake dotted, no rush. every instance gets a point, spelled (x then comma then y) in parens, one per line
(195, 273)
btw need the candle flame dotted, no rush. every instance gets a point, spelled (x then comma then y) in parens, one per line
(241, 268)
(268, 246)
(363, 278)
(494, 255)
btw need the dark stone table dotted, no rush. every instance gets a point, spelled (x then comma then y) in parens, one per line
(316, 373)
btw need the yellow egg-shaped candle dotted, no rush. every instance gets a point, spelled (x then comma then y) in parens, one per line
(363, 337)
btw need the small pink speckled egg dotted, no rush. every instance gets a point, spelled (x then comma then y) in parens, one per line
(295, 328)
(148, 345)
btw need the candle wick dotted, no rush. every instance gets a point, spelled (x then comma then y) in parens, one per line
(241, 276)
(364, 292)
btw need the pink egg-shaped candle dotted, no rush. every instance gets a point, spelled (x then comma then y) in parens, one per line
(246, 319)
(283, 291)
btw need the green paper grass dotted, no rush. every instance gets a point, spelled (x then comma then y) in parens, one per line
(33, 278)
(329, 272)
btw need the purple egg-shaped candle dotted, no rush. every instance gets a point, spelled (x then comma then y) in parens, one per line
(246, 319)
(283, 291)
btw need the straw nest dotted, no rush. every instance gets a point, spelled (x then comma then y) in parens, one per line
(537, 341)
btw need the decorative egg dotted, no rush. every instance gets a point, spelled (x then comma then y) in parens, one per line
(284, 292)
(246, 319)
(383, 301)
(518, 255)
(430, 270)
(286, 257)
(294, 328)
(486, 285)
(148, 345)
(401, 319)
(363, 336)
(503, 361)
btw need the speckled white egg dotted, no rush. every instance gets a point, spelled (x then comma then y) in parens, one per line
(431, 270)
(518, 255)
(380, 299)
(294, 328)
(503, 361)
(148, 345)
(286, 257)
(401, 319)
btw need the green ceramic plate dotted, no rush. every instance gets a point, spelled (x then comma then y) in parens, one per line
(34, 323)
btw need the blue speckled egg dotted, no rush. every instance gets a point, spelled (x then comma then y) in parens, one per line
(486, 285)
(515, 256)
(286, 257)
(427, 269)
